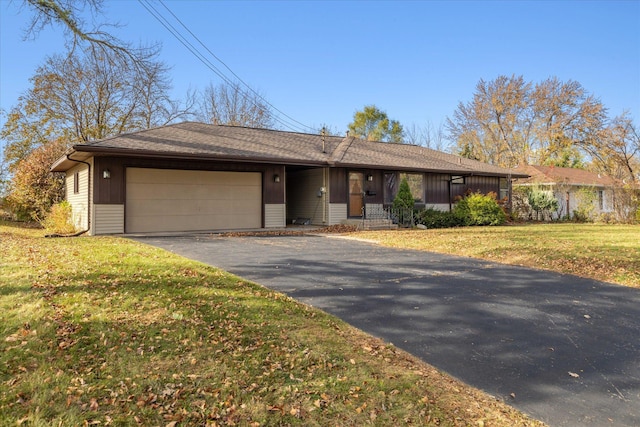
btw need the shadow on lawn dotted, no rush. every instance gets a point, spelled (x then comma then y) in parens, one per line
(561, 348)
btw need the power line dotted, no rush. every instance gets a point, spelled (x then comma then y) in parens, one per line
(231, 71)
(285, 120)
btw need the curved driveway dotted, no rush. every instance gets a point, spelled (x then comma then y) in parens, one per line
(563, 349)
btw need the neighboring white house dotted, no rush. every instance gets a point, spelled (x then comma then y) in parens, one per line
(574, 189)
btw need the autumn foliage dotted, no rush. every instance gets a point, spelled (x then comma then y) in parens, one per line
(34, 189)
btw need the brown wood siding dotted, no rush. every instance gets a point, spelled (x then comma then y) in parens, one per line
(436, 188)
(112, 190)
(338, 185)
(273, 192)
(475, 184)
(374, 189)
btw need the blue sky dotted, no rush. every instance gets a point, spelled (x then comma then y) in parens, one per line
(319, 62)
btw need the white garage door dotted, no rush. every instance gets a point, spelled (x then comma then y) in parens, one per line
(177, 200)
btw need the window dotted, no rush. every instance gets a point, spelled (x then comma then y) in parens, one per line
(390, 187)
(457, 179)
(76, 183)
(601, 200)
(416, 185)
(504, 188)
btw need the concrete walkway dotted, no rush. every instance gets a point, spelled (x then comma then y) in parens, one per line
(562, 349)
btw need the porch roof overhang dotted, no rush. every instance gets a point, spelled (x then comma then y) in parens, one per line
(442, 170)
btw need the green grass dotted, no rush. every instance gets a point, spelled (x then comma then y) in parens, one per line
(106, 331)
(604, 252)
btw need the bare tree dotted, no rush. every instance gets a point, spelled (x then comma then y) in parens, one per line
(416, 135)
(85, 96)
(428, 136)
(229, 104)
(157, 108)
(69, 14)
(618, 152)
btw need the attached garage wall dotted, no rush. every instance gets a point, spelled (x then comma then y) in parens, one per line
(159, 200)
(275, 216)
(108, 219)
(77, 188)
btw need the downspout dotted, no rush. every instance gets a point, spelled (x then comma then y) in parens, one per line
(324, 182)
(324, 196)
(449, 190)
(88, 193)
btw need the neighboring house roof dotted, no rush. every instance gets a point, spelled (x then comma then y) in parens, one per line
(550, 175)
(190, 140)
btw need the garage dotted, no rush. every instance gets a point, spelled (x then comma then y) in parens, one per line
(159, 200)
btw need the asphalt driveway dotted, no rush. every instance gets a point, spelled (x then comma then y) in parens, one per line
(563, 349)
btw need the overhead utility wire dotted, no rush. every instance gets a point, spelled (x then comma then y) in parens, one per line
(160, 18)
(154, 12)
(165, 23)
(201, 57)
(231, 71)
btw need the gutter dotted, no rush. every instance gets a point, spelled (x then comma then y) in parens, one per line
(195, 156)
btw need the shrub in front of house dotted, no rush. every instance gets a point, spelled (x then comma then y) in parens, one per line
(433, 218)
(404, 199)
(403, 205)
(585, 210)
(480, 209)
(59, 220)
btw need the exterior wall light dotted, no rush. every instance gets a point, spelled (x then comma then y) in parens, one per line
(106, 174)
(369, 177)
(276, 178)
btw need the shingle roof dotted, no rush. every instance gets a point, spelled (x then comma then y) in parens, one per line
(411, 157)
(558, 175)
(199, 140)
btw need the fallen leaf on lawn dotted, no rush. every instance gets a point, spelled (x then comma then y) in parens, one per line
(94, 404)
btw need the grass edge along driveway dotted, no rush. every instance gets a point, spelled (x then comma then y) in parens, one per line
(609, 253)
(105, 331)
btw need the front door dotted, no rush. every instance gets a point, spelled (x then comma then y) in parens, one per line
(356, 194)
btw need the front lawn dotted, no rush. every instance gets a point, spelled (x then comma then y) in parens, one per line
(609, 253)
(106, 331)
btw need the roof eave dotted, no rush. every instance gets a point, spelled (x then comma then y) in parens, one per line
(453, 171)
(65, 162)
(127, 152)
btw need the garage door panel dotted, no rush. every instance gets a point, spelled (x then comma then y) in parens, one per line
(176, 200)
